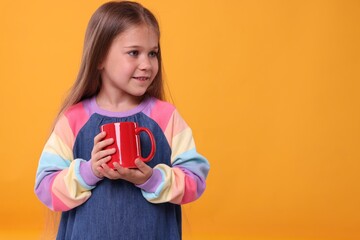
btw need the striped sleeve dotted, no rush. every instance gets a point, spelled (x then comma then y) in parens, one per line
(185, 180)
(59, 184)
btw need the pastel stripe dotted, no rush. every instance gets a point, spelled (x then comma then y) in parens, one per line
(87, 174)
(195, 183)
(178, 186)
(65, 192)
(48, 164)
(78, 176)
(161, 113)
(55, 145)
(64, 132)
(157, 196)
(153, 182)
(175, 125)
(59, 190)
(63, 182)
(181, 143)
(57, 204)
(45, 196)
(73, 185)
(185, 180)
(77, 117)
(191, 193)
(194, 162)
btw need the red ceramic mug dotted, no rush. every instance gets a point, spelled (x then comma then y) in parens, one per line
(126, 137)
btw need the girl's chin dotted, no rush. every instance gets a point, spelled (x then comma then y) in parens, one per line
(138, 94)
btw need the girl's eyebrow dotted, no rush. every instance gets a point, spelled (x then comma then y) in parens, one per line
(136, 46)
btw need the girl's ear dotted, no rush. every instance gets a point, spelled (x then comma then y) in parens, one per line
(100, 66)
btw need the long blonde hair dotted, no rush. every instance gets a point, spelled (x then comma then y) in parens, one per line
(107, 22)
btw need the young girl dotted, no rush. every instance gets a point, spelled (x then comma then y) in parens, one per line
(119, 80)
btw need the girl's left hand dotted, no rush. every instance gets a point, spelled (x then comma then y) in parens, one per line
(137, 176)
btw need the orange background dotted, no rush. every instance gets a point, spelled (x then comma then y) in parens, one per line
(269, 87)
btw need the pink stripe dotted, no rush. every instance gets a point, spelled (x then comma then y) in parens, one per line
(64, 132)
(178, 186)
(77, 117)
(60, 190)
(179, 124)
(161, 113)
(57, 204)
(190, 190)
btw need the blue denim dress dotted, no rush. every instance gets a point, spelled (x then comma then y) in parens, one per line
(116, 209)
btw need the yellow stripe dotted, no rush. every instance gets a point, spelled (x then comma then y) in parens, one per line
(66, 191)
(181, 143)
(175, 125)
(56, 146)
(165, 194)
(75, 189)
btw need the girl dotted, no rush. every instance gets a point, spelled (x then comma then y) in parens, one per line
(119, 80)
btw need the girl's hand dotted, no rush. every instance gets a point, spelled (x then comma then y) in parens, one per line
(136, 176)
(100, 156)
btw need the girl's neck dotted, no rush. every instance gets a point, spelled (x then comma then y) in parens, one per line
(118, 103)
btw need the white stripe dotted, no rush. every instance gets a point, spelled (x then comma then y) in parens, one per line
(117, 134)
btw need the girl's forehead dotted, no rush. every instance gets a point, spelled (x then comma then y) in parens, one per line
(138, 35)
(139, 29)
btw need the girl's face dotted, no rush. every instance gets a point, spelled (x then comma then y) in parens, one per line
(131, 63)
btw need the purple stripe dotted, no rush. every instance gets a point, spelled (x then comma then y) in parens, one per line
(149, 107)
(43, 191)
(200, 182)
(94, 108)
(87, 173)
(152, 183)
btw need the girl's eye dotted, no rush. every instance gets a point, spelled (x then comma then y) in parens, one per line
(153, 54)
(133, 53)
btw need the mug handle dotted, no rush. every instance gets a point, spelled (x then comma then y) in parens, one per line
(152, 140)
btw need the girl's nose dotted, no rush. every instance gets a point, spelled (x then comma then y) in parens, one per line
(145, 63)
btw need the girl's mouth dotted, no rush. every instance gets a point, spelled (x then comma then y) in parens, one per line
(142, 78)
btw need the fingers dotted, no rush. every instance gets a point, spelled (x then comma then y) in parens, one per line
(99, 143)
(110, 173)
(97, 165)
(99, 137)
(121, 170)
(143, 167)
(104, 154)
(99, 152)
(135, 175)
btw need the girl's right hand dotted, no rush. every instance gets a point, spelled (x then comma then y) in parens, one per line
(100, 156)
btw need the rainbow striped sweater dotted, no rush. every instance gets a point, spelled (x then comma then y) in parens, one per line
(65, 181)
